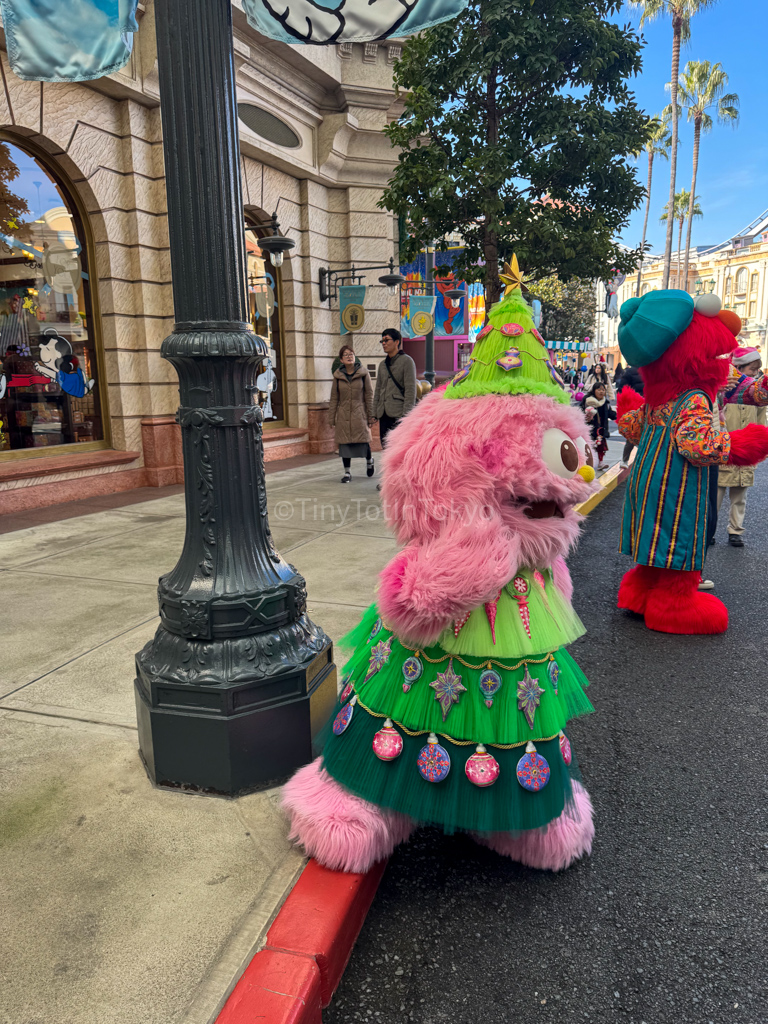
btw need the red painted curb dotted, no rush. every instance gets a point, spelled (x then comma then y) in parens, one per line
(276, 988)
(307, 949)
(323, 916)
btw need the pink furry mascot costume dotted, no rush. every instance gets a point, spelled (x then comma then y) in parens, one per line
(459, 688)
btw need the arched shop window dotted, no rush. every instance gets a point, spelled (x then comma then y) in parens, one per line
(266, 311)
(49, 378)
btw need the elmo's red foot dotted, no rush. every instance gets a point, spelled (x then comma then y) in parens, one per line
(634, 587)
(675, 605)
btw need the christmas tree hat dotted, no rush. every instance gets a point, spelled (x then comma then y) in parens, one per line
(509, 357)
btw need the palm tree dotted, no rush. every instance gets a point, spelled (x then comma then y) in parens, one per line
(700, 88)
(657, 145)
(681, 12)
(684, 209)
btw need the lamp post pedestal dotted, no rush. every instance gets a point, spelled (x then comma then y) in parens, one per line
(234, 686)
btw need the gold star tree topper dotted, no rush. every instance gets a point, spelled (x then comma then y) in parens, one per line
(511, 276)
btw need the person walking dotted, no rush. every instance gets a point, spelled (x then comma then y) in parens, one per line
(395, 394)
(630, 378)
(598, 374)
(351, 412)
(598, 412)
(737, 479)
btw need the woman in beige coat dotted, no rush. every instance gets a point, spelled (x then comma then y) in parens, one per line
(351, 412)
(736, 479)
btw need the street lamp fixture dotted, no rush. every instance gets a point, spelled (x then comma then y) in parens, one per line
(329, 280)
(392, 280)
(276, 244)
(455, 295)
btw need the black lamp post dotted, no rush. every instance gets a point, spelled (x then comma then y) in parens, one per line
(237, 679)
(429, 340)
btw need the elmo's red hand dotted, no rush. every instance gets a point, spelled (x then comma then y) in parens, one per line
(627, 400)
(748, 445)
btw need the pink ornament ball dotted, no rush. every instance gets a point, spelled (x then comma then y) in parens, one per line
(387, 743)
(482, 769)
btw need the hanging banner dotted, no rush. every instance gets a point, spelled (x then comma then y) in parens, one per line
(347, 21)
(421, 314)
(476, 294)
(68, 40)
(351, 311)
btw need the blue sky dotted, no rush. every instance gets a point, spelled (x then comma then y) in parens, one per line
(733, 165)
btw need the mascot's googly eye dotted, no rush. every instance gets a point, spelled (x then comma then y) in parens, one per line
(559, 453)
(586, 451)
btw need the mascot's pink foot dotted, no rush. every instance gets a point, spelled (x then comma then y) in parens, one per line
(555, 847)
(337, 828)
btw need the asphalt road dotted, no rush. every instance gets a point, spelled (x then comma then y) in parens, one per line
(665, 923)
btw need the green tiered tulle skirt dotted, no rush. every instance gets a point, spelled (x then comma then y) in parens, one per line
(374, 678)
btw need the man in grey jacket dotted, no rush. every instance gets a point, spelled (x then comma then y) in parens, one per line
(395, 393)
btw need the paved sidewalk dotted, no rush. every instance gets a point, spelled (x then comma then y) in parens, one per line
(125, 904)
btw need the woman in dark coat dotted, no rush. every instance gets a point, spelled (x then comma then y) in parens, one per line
(351, 412)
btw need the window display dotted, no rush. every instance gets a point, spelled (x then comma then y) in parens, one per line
(264, 302)
(49, 389)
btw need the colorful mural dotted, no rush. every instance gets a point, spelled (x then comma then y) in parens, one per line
(450, 322)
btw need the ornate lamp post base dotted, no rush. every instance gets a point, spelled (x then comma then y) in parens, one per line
(239, 734)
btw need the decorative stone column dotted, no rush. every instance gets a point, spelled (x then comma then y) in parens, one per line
(237, 679)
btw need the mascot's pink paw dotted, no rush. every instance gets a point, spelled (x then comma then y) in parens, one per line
(555, 847)
(342, 831)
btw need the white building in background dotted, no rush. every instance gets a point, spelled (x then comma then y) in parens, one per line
(736, 270)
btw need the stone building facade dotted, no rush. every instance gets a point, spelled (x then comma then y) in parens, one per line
(312, 150)
(736, 271)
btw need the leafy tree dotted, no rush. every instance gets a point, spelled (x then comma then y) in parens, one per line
(681, 12)
(658, 144)
(700, 88)
(516, 133)
(686, 206)
(568, 309)
(11, 205)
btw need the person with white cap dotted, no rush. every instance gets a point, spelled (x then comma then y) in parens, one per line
(736, 480)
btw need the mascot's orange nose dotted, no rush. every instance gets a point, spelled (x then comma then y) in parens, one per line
(587, 472)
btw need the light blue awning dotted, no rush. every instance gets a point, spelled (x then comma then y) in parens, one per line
(571, 346)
